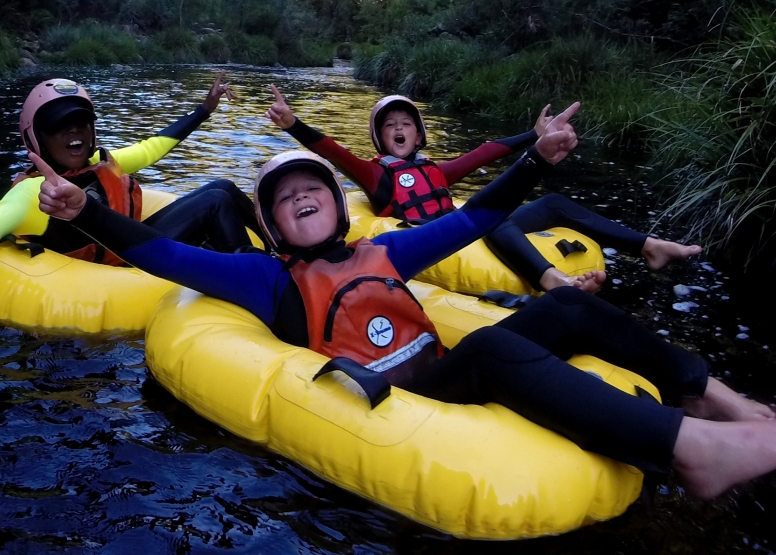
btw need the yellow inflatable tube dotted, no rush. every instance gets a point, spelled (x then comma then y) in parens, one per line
(55, 292)
(475, 269)
(468, 470)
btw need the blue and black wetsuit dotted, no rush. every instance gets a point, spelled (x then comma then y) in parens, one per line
(518, 363)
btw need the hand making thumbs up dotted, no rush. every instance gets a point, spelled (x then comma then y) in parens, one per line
(58, 197)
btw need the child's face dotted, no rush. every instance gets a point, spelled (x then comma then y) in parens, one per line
(399, 134)
(303, 209)
(69, 142)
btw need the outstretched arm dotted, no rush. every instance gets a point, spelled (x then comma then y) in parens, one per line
(364, 173)
(19, 214)
(150, 151)
(457, 169)
(244, 279)
(413, 250)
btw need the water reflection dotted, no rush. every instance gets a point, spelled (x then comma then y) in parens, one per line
(96, 458)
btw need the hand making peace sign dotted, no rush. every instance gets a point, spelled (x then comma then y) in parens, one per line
(216, 92)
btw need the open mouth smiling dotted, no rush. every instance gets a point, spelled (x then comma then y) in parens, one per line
(399, 139)
(75, 144)
(304, 212)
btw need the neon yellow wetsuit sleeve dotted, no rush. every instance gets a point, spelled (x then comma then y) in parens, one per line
(19, 212)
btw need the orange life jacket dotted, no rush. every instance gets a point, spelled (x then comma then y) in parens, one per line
(361, 309)
(122, 193)
(420, 191)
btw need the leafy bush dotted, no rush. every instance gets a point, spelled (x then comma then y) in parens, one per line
(153, 53)
(214, 49)
(382, 66)
(181, 43)
(255, 50)
(307, 54)
(9, 57)
(57, 39)
(93, 43)
(345, 51)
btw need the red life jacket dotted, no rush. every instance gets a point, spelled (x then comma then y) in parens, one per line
(121, 192)
(361, 309)
(420, 191)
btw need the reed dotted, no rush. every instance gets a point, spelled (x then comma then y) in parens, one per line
(719, 140)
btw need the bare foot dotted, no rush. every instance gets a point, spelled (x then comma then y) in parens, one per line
(659, 252)
(590, 281)
(710, 457)
(719, 402)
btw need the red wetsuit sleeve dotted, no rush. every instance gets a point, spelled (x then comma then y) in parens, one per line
(457, 169)
(365, 173)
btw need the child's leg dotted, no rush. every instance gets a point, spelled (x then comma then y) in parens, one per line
(242, 203)
(555, 210)
(207, 214)
(567, 322)
(495, 365)
(511, 246)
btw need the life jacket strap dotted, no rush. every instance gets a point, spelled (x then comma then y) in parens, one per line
(375, 385)
(34, 248)
(567, 248)
(505, 299)
(416, 201)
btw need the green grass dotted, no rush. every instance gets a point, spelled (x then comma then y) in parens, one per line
(307, 54)
(181, 44)
(92, 43)
(719, 139)
(9, 56)
(257, 50)
(214, 49)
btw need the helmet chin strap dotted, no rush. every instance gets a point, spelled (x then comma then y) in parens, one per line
(309, 254)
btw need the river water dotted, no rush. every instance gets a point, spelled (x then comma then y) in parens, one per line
(95, 457)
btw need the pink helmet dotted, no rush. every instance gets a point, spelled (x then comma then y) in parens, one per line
(267, 179)
(384, 106)
(47, 104)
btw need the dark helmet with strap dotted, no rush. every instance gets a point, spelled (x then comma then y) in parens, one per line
(387, 105)
(267, 180)
(48, 104)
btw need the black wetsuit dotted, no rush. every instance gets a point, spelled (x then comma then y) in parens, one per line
(519, 362)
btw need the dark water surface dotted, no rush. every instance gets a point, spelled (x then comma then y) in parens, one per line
(95, 457)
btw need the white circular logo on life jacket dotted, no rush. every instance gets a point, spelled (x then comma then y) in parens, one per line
(406, 180)
(379, 330)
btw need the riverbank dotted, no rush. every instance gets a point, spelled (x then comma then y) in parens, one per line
(97, 44)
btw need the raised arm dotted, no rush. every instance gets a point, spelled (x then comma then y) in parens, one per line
(19, 214)
(150, 151)
(364, 173)
(457, 169)
(415, 249)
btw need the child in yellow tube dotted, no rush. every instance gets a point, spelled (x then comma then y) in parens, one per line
(57, 122)
(350, 303)
(403, 183)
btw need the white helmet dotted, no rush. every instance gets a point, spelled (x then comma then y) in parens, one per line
(386, 105)
(267, 179)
